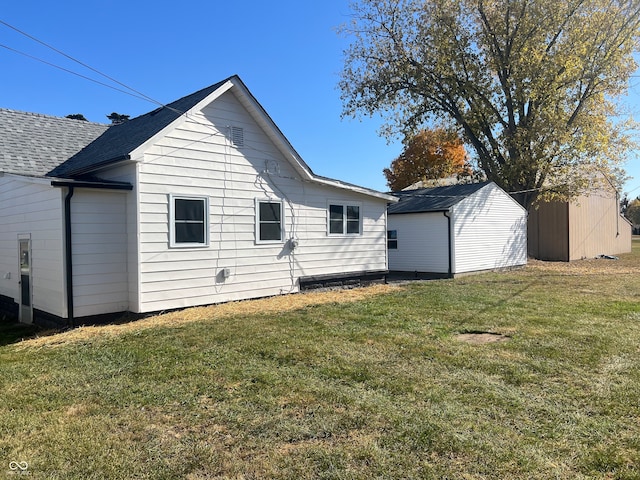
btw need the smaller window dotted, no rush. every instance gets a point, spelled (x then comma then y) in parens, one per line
(392, 239)
(189, 218)
(269, 221)
(344, 219)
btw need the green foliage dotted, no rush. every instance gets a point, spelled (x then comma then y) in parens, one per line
(117, 118)
(77, 116)
(633, 211)
(530, 83)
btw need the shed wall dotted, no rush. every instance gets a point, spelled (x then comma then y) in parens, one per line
(548, 227)
(596, 227)
(423, 243)
(490, 231)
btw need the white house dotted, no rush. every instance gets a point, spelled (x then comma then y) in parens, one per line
(450, 230)
(197, 202)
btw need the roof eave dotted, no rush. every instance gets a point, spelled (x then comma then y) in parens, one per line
(98, 166)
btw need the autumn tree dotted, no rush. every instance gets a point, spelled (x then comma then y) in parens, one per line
(532, 84)
(430, 154)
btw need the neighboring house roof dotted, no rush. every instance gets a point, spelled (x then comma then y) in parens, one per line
(33, 144)
(436, 199)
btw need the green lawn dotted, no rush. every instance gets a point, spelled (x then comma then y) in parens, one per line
(378, 388)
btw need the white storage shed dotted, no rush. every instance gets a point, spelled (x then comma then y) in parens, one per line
(447, 231)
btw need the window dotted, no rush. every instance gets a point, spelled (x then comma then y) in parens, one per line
(344, 219)
(189, 221)
(269, 221)
(392, 239)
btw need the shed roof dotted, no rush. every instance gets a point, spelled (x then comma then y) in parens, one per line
(33, 144)
(436, 199)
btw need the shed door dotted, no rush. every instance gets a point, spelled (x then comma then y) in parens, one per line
(26, 307)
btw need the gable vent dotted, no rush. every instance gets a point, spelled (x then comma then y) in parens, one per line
(237, 136)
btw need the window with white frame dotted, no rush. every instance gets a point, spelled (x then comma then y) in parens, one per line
(189, 217)
(269, 221)
(344, 219)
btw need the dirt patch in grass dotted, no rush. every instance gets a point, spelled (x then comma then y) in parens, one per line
(277, 304)
(624, 265)
(480, 338)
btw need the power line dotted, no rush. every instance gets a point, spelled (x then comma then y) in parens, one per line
(71, 72)
(60, 52)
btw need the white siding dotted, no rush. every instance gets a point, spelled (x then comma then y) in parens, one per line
(33, 207)
(197, 159)
(423, 243)
(490, 231)
(128, 173)
(99, 242)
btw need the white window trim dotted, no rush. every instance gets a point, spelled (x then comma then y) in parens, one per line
(172, 230)
(344, 204)
(258, 201)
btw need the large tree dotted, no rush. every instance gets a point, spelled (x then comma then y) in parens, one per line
(430, 154)
(531, 84)
(633, 211)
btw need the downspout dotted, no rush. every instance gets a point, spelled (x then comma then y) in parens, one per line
(68, 254)
(447, 213)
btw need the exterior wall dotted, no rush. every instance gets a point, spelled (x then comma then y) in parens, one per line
(29, 206)
(490, 231)
(128, 172)
(423, 243)
(99, 243)
(548, 228)
(596, 227)
(197, 158)
(585, 228)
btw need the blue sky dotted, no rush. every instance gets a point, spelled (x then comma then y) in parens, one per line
(287, 52)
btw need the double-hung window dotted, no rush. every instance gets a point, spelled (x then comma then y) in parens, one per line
(269, 221)
(344, 219)
(189, 221)
(392, 239)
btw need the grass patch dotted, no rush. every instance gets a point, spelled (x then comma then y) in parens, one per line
(349, 385)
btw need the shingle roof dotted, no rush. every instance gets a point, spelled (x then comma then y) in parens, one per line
(33, 144)
(436, 199)
(120, 140)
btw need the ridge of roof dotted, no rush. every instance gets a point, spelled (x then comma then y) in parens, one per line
(433, 199)
(120, 140)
